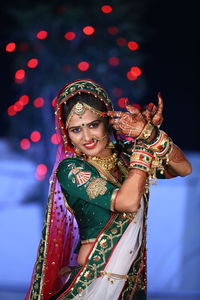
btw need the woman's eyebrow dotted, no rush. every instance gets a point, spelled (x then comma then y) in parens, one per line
(72, 127)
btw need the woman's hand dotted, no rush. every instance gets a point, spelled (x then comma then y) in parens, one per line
(129, 123)
(154, 114)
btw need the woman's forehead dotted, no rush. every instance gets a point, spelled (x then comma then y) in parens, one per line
(87, 117)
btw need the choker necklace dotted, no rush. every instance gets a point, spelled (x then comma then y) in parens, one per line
(106, 163)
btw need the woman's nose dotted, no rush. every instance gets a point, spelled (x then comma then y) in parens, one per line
(86, 135)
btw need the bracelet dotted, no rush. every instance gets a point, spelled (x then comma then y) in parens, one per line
(148, 133)
(141, 158)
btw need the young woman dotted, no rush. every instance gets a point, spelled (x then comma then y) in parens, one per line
(94, 235)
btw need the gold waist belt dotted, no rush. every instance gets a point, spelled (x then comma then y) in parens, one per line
(115, 276)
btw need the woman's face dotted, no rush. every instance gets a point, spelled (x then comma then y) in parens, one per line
(89, 134)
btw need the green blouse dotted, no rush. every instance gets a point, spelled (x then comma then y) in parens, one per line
(89, 196)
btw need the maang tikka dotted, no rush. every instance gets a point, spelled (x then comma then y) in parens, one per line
(79, 109)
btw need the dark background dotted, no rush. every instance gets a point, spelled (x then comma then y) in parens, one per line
(170, 65)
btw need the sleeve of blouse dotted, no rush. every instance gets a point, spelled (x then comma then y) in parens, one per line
(80, 180)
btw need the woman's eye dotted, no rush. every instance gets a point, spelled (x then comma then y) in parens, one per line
(94, 125)
(75, 130)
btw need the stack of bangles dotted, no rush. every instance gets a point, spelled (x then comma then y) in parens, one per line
(152, 150)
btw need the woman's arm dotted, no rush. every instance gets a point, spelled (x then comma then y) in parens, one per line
(129, 195)
(178, 164)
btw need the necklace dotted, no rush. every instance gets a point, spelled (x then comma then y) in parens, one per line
(106, 163)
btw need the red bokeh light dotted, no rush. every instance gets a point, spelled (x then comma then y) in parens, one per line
(35, 136)
(136, 71)
(19, 74)
(114, 61)
(18, 106)
(10, 47)
(88, 30)
(41, 170)
(130, 76)
(70, 36)
(83, 66)
(137, 106)
(113, 30)
(24, 99)
(55, 139)
(38, 102)
(53, 102)
(133, 45)
(11, 111)
(121, 42)
(32, 63)
(106, 9)
(42, 34)
(121, 102)
(25, 144)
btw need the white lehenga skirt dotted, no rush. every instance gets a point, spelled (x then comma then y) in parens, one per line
(109, 287)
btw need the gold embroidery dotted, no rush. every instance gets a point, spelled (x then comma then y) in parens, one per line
(104, 243)
(97, 258)
(83, 242)
(96, 187)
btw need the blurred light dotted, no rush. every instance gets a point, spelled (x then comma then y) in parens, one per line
(88, 30)
(18, 106)
(133, 46)
(55, 139)
(53, 102)
(19, 74)
(83, 66)
(136, 71)
(117, 92)
(41, 170)
(25, 144)
(24, 99)
(130, 76)
(10, 47)
(70, 36)
(11, 111)
(38, 102)
(41, 35)
(35, 136)
(113, 30)
(32, 63)
(121, 102)
(121, 42)
(23, 47)
(114, 61)
(106, 9)
(38, 177)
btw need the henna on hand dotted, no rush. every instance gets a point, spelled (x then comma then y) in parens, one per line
(129, 123)
(154, 114)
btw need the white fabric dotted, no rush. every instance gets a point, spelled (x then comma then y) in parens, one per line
(107, 288)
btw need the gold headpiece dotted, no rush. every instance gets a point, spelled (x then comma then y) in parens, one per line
(79, 109)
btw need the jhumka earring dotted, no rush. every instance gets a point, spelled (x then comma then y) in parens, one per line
(110, 145)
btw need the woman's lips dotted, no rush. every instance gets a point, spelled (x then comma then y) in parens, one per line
(90, 145)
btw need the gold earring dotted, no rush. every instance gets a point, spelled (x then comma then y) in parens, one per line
(110, 145)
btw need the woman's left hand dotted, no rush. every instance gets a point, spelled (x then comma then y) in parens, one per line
(129, 123)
